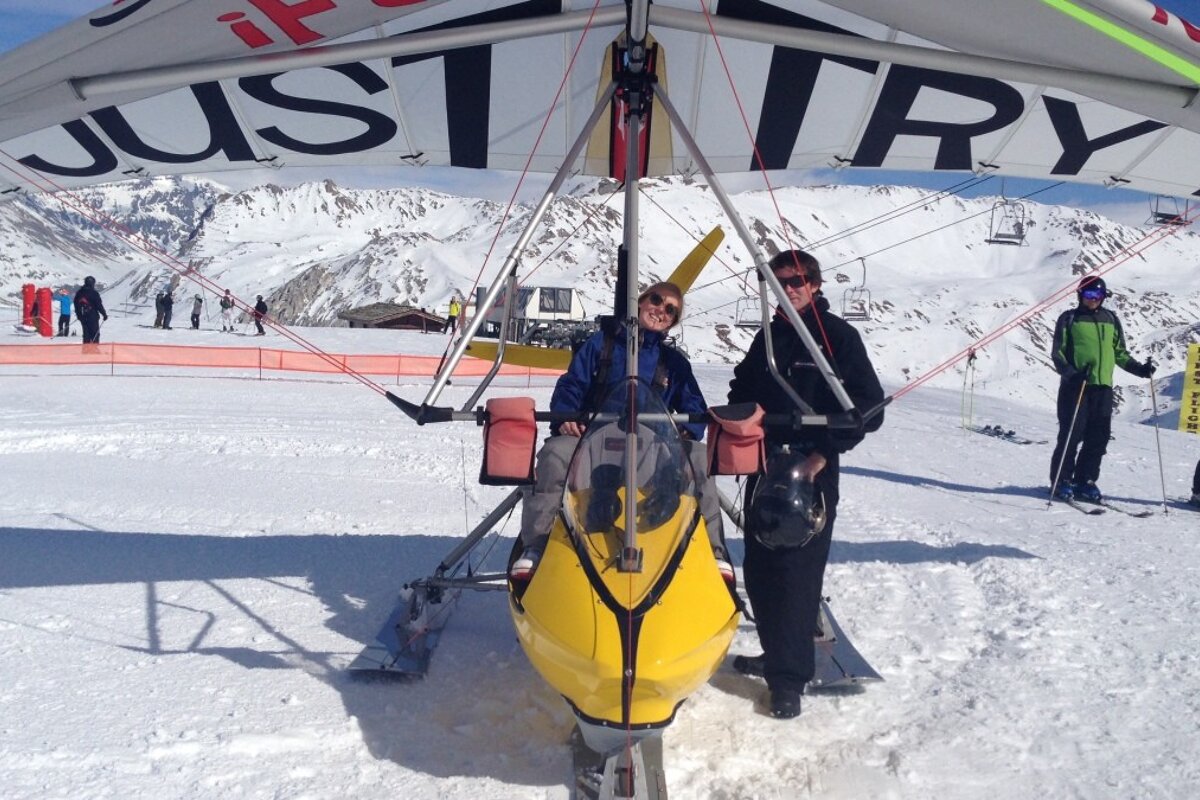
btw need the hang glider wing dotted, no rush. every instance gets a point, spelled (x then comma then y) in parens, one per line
(1099, 91)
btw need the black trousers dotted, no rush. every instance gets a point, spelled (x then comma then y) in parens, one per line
(1196, 480)
(1081, 456)
(91, 328)
(195, 320)
(785, 590)
(64, 324)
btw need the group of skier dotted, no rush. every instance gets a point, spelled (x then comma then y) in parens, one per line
(89, 309)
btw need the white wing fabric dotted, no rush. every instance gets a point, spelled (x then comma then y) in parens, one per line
(1101, 91)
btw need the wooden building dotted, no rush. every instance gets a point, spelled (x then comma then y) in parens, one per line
(391, 315)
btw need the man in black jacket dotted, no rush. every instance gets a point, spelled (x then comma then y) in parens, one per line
(784, 582)
(260, 311)
(89, 309)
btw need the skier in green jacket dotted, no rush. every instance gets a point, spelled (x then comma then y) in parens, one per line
(1088, 343)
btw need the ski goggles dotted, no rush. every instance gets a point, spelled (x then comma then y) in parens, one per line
(1092, 294)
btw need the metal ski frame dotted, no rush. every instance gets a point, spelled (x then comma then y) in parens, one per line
(406, 641)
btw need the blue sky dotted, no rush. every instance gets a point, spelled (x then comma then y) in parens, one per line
(23, 20)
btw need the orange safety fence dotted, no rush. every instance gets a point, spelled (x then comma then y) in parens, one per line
(260, 358)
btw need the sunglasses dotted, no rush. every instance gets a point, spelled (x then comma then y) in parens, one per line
(657, 299)
(794, 282)
(1093, 294)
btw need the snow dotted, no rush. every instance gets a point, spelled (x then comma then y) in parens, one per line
(188, 562)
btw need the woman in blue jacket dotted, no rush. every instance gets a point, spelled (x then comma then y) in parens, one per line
(595, 370)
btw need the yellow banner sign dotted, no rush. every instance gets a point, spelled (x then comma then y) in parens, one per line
(1189, 407)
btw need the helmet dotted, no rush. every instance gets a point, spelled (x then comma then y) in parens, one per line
(89, 281)
(786, 510)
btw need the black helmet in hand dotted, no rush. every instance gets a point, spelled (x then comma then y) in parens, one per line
(786, 510)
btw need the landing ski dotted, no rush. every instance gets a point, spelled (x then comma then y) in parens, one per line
(634, 772)
(838, 662)
(407, 640)
(997, 432)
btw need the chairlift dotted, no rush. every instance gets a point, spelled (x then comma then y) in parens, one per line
(747, 313)
(856, 301)
(1008, 224)
(1165, 210)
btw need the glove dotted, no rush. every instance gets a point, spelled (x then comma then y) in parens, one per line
(1072, 374)
(1146, 370)
(106, 317)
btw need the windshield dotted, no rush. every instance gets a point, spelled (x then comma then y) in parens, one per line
(594, 501)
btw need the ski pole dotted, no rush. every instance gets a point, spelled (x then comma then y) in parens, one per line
(1162, 476)
(1067, 444)
(968, 405)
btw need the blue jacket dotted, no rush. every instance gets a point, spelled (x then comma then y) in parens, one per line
(64, 304)
(682, 393)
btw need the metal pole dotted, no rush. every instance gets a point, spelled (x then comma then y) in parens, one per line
(1162, 476)
(764, 271)
(1067, 444)
(505, 326)
(510, 262)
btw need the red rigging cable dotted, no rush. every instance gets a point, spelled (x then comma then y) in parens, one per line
(528, 161)
(763, 171)
(1137, 248)
(106, 222)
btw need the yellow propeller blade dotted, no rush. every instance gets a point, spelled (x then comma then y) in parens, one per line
(524, 355)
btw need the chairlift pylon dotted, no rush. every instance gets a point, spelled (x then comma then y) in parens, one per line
(856, 301)
(1008, 223)
(1165, 210)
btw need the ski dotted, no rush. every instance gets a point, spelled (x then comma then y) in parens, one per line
(630, 772)
(996, 432)
(1184, 503)
(838, 662)
(405, 643)
(1140, 513)
(1081, 507)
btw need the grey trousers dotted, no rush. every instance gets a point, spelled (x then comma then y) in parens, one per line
(541, 504)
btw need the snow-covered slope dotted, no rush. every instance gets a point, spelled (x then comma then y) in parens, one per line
(187, 564)
(936, 286)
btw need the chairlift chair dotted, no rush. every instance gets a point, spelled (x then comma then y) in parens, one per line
(1165, 210)
(856, 301)
(1008, 224)
(747, 313)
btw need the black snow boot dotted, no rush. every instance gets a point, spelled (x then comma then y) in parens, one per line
(785, 703)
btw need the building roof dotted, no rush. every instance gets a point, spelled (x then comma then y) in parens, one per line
(377, 313)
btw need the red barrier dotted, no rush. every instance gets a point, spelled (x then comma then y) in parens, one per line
(28, 292)
(45, 315)
(164, 355)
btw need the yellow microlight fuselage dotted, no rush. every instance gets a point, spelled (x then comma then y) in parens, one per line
(626, 648)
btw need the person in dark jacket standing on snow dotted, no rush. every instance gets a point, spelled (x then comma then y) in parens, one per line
(1088, 343)
(168, 304)
(260, 311)
(583, 386)
(90, 309)
(786, 554)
